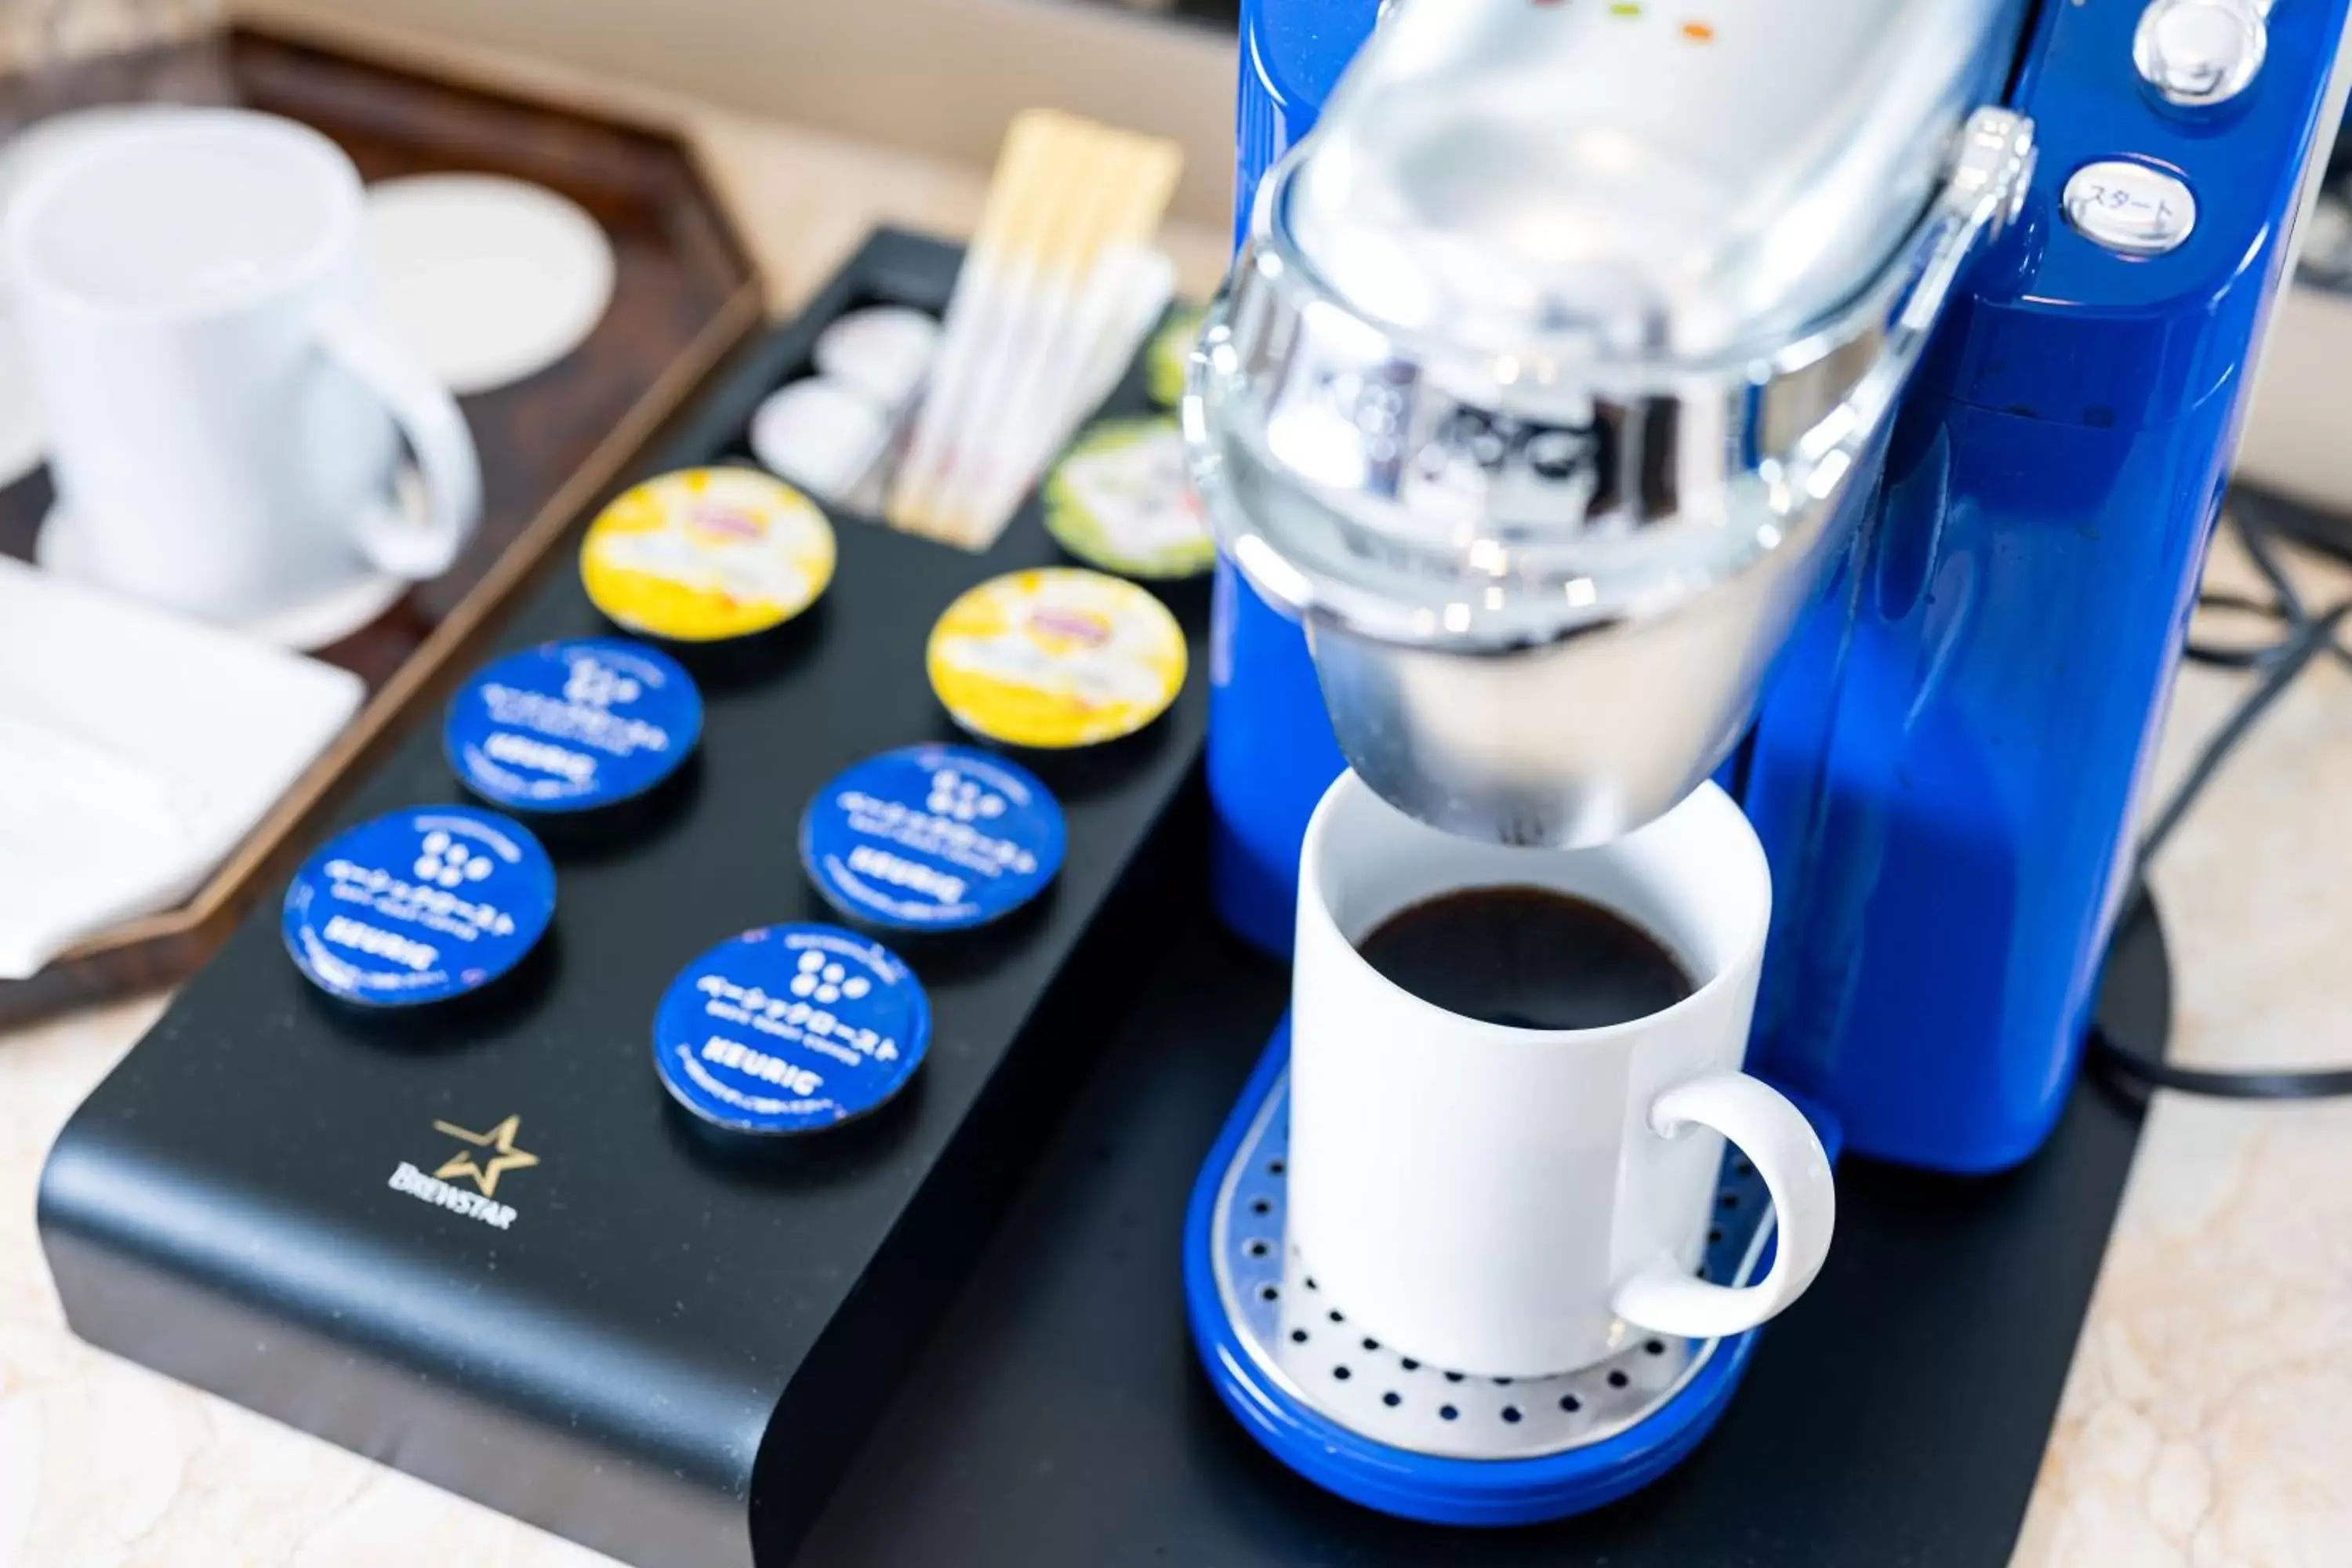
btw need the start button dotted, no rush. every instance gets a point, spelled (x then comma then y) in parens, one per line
(2128, 207)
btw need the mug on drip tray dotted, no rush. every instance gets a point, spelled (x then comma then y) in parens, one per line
(1519, 1202)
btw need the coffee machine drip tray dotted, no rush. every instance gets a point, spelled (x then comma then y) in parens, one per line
(1392, 1433)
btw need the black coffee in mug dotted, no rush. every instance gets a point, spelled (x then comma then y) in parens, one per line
(1527, 958)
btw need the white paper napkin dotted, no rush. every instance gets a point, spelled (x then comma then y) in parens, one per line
(136, 750)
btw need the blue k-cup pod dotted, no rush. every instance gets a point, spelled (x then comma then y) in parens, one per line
(419, 905)
(572, 727)
(931, 838)
(791, 1028)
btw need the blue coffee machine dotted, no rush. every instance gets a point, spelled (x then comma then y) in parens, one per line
(1833, 399)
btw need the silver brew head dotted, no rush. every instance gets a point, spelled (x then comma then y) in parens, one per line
(1543, 376)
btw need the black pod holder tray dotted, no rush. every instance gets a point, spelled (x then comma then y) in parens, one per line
(675, 1343)
(859, 1350)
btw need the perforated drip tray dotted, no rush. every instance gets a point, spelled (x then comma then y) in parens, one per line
(1301, 1341)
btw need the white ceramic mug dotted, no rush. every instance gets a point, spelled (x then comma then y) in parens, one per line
(225, 417)
(1517, 1203)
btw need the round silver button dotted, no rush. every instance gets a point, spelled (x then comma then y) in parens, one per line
(2198, 53)
(2129, 207)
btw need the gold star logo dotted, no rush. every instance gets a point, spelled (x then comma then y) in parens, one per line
(486, 1175)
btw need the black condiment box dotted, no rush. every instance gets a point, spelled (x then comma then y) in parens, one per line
(674, 1343)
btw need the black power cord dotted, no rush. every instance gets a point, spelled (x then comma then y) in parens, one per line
(2304, 638)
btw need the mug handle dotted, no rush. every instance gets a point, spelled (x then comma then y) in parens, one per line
(1782, 1145)
(428, 416)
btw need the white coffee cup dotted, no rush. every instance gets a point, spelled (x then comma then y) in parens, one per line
(1517, 1203)
(225, 416)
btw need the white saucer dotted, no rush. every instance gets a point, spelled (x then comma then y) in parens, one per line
(488, 279)
(316, 621)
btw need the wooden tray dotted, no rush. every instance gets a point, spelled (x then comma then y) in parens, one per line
(684, 294)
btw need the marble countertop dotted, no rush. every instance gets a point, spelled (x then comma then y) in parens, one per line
(2203, 1422)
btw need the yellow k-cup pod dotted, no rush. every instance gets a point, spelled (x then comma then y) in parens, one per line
(1121, 498)
(704, 554)
(1167, 356)
(1056, 657)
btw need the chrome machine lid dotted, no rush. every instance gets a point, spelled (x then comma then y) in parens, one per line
(1507, 175)
(1564, 324)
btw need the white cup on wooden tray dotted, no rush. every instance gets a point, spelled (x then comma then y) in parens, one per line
(226, 414)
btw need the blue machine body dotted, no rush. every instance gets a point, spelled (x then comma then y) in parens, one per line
(1946, 758)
